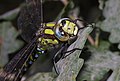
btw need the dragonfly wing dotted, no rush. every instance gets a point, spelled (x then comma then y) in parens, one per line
(15, 66)
(29, 19)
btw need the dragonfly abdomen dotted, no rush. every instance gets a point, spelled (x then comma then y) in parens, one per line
(33, 57)
(21, 70)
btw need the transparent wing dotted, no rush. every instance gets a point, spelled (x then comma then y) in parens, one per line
(29, 19)
(14, 69)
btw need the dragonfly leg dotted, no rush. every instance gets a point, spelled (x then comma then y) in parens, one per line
(56, 56)
(87, 24)
(70, 51)
(62, 52)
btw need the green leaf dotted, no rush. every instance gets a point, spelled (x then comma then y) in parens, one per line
(10, 15)
(102, 3)
(111, 24)
(100, 62)
(119, 46)
(116, 75)
(42, 77)
(9, 42)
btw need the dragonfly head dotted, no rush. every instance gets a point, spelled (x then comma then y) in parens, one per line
(65, 29)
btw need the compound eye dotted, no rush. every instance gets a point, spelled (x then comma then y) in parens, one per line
(63, 22)
(61, 31)
(60, 34)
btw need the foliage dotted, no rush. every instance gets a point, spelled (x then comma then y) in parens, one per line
(10, 15)
(8, 35)
(111, 23)
(100, 62)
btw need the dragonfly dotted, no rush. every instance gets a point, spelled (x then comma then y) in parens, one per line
(40, 37)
